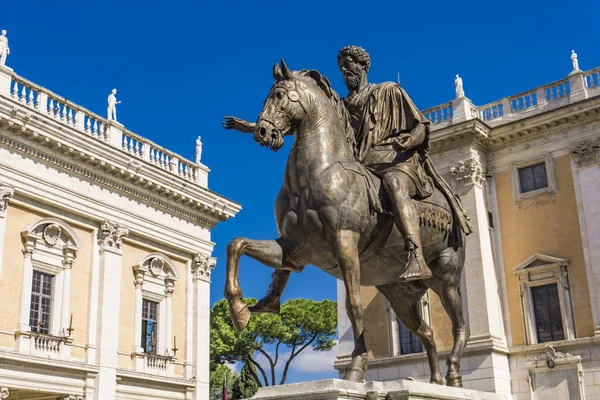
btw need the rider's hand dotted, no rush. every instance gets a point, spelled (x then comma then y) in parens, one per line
(238, 124)
(403, 142)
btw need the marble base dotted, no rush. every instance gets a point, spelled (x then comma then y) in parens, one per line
(337, 389)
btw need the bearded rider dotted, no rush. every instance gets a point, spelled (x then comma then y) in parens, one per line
(392, 142)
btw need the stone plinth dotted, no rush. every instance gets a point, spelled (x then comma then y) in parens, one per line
(337, 389)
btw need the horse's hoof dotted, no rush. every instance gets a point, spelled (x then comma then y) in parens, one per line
(354, 375)
(454, 381)
(240, 315)
(436, 380)
(267, 304)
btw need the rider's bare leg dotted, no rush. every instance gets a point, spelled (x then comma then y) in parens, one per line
(400, 190)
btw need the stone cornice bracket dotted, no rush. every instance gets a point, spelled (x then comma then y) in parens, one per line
(587, 153)
(469, 172)
(6, 195)
(111, 235)
(203, 266)
(4, 393)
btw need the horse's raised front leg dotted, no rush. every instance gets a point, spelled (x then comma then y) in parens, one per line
(346, 251)
(272, 253)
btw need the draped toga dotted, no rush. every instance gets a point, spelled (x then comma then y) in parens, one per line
(379, 114)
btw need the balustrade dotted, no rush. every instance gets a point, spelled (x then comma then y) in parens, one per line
(439, 113)
(592, 78)
(491, 111)
(523, 101)
(65, 112)
(157, 363)
(557, 90)
(47, 343)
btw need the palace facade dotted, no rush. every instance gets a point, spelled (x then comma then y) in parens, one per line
(105, 256)
(527, 169)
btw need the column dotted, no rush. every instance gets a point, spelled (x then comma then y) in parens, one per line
(110, 240)
(189, 343)
(169, 311)
(93, 311)
(6, 194)
(201, 270)
(481, 287)
(137, 327)
(586, 175)
(28, 248)
(69, 257)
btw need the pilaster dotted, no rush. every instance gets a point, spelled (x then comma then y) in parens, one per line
(6, 194)
(481, 286)
(110, 240)
(201, 270)
(586, 175)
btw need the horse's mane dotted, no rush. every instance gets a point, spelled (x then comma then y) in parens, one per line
(325, 86)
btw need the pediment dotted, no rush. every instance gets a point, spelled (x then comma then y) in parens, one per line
(537, 262)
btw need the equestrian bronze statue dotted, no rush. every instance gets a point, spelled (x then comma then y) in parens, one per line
(360, 200)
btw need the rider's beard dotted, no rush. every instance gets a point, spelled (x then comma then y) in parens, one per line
(352, 80)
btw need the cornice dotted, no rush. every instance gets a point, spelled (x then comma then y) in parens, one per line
(102, 158)
(19, 361)
(519, 132)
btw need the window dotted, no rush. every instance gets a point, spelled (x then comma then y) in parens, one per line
(409, 342)
(149, 326)
(41, 302)
(545, 298)
(533, 181)
(403, 341)
(548, 319)
(533, 177)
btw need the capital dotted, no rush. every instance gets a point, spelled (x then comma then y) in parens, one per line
(469, 172)
(203, 266)
(111, 236)
(587, 153)
(6, 195)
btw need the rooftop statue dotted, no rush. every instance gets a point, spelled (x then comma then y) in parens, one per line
(361, 200)
(4, 49)
(458, 83)
(112, 106)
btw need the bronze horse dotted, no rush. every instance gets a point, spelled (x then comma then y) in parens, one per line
(326, 217)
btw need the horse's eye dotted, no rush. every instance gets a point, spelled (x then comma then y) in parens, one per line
(279, 95)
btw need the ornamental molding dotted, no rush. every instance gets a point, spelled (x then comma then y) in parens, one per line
(203, 201)
(6, 194)
(4, 393)
(203, 266)
(587, 153)
(552, 358)
(111, 236)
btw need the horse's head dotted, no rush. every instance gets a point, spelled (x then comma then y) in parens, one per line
(285, 107)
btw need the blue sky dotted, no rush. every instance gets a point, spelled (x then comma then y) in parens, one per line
(181, 65)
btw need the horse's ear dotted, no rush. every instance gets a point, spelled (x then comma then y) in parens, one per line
(277, 74)
(285, 70)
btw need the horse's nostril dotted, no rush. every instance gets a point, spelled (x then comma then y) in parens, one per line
(262, 131)
(273, 133)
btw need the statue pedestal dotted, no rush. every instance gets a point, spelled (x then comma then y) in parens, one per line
(337, 389)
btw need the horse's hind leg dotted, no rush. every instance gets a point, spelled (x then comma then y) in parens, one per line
(273, 253)
(404, 299)
(448, 292)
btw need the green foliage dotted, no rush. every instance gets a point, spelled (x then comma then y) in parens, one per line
(246, 386)
(217, 376)
(303, 323)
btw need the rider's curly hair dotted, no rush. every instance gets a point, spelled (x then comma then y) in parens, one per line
(358, 53)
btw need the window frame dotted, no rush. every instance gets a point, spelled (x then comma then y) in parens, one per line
(49, 328)
(156, 328)
(541, 270)
(551, 189)
(394, 327)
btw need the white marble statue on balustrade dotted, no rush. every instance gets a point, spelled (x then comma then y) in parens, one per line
(112, 106)
(458, 82)
(4, 49)
(198, 150)
(574, 60)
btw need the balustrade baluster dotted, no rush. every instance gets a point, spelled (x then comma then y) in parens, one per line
(15, 92)
(70, 116)
(63, 114)
(87, 125)
(50, 107)
(30, 98)
(23, 97)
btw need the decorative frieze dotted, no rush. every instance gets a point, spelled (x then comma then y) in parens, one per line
(587, 153)
(111, 236)
(203, 266)
(6, 195)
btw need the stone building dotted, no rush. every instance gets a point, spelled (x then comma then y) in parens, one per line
(527, 169)
(105, 256)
